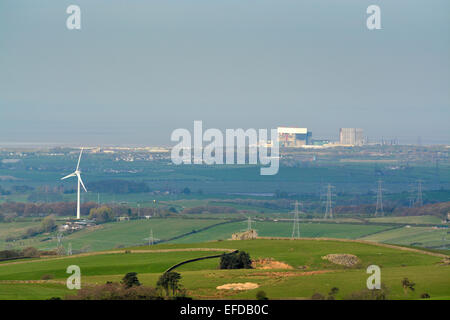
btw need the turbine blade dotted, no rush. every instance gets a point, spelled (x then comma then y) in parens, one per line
(81, 181)
(79, 158)
(68, 176)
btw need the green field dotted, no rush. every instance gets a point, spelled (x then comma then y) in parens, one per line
(129, 233)
(417, 236)
(201, 278)
(407, 220)
(284, 229)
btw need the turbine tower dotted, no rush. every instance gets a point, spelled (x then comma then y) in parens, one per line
(77, 174)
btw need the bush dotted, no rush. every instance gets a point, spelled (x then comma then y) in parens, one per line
(116, 291)
(47, 277)
(332, 293)
(48, 224)
(31, 232)
(407, 285)
(30, 252)
(318, 296)
(261, 295)
(366, 294)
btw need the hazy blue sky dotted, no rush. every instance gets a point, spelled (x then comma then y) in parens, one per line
(139, 69)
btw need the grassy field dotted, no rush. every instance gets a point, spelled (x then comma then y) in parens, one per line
(418, 236)
(408, 220)
(14, 228)
(129, 233)
(284, 229)
(309, 273)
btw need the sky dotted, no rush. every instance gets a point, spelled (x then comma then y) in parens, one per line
(137, 70)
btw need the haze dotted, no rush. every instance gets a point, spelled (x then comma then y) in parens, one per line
(137, 70)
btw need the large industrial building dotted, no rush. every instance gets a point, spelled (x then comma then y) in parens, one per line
(351, 136)
(291, 137)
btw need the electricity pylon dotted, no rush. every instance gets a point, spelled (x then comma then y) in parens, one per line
(249, 224)
(151, 239)
(69, 249)
(60, 247)
(296, 227)
(419, 201)
(379, 208)
(329, 206)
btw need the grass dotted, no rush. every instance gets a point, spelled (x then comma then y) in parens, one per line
(419, 236)
(125, 233)
(202, 277)
(106, 264)
(284, 229)
(32, 291)
(408, 220)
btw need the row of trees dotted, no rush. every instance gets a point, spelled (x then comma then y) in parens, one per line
(24, 209)
(29, 252)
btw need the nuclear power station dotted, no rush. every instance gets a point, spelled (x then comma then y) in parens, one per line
(296, 137)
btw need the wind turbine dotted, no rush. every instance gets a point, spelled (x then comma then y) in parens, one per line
(77, 173)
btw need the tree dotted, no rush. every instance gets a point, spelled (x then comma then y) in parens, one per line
(240, 260)
(332, 293)
(130, 280)
(48, 224)
(30, 252)
(407, 285)
(170, 281)
(102, 214)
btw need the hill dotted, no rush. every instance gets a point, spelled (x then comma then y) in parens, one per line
(309, 273)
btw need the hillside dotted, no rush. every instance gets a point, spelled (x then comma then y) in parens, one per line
(308, 274)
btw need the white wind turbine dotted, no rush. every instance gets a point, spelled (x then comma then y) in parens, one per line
(77, 174)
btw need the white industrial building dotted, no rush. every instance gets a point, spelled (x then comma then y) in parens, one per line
(293, 137)
(351, 136)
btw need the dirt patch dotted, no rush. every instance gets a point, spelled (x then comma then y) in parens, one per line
(238, 286)
(269, 263)
(343, 259)
(291, 274)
